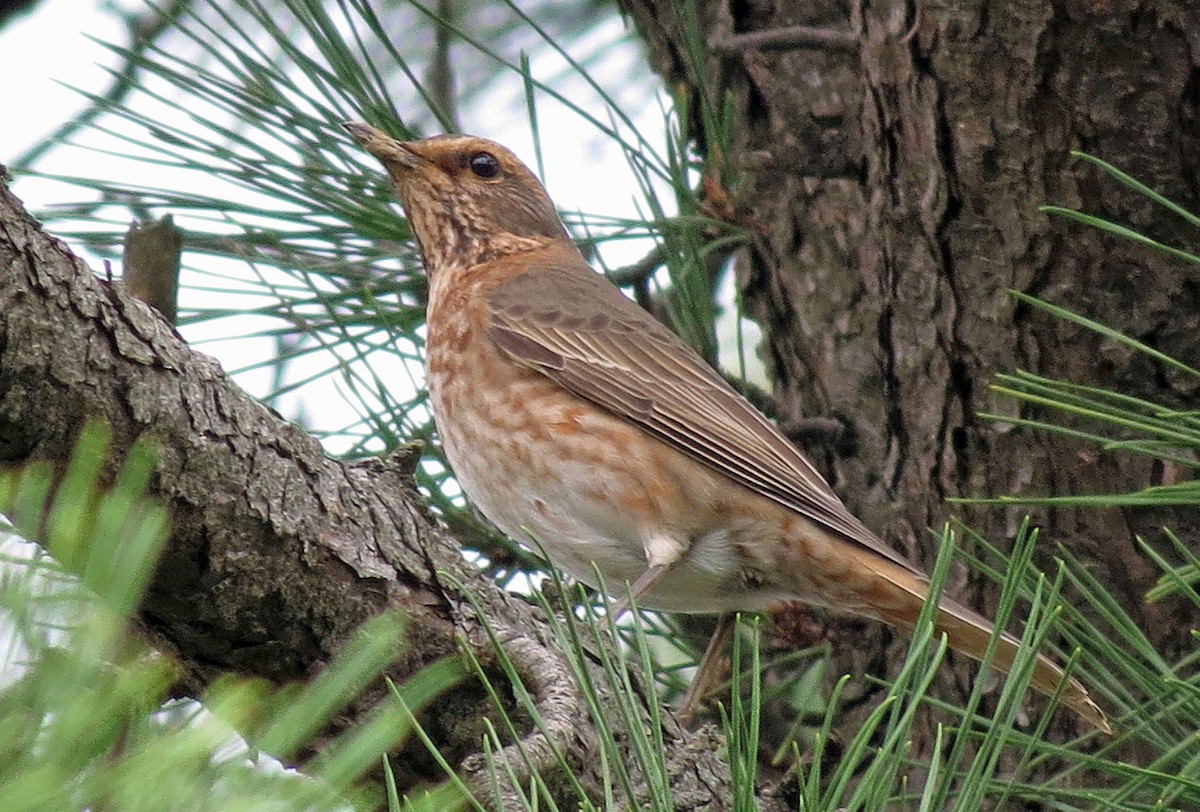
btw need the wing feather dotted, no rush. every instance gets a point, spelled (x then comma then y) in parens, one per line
(575, 327)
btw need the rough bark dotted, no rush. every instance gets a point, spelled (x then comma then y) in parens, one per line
(277, 552)
(882, 278)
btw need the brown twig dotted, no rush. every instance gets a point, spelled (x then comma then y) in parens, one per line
(151, 264)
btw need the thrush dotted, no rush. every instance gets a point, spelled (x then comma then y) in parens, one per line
(568, 412)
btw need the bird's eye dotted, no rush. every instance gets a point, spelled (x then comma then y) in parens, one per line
(484, 164)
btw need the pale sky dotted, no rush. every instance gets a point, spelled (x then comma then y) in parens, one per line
(40, 53)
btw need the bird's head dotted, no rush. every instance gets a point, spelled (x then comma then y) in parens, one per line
(468, 199)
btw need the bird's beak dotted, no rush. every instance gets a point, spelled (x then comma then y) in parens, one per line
(382, 145)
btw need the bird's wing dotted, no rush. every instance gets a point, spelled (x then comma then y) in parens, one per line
(575, 327)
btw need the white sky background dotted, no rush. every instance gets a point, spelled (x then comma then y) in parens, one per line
(40, 52)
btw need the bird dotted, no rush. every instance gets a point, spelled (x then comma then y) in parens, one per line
(569, 413)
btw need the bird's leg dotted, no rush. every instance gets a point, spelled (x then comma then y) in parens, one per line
(663, 552)
(708, 669)
(644, 583)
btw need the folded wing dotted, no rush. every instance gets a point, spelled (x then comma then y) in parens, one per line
(575, 327)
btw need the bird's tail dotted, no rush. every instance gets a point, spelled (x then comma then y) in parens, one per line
(969, 633)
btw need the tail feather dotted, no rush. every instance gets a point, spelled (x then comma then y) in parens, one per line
(969, 633)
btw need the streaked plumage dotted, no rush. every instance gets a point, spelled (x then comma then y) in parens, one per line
(569, 412)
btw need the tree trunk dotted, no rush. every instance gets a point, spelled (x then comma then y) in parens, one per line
(895, 158)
